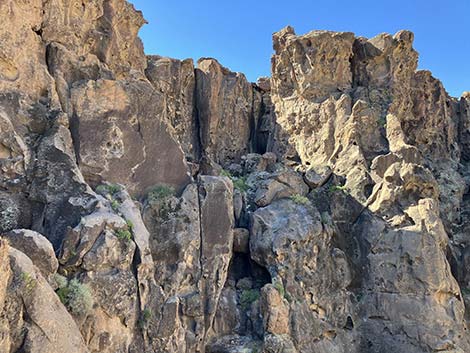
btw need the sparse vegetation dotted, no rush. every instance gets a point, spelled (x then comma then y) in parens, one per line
(28, 281)
(382, 121)
(226, 173)
(248, 297)
(124, 234)
(130, 225)
(115, 204)
(280, 288)
(59, 281)
(108, 189)
(145, 317)
(160, 192)
(300, 200)
(160, 195)
(239, 183)
(76, 297)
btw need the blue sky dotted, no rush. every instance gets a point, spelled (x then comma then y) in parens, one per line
(238, 32)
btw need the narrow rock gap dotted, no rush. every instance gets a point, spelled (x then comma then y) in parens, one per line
(197, 122)
(252, 123)
(199, 190)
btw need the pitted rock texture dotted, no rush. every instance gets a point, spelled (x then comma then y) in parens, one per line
(150, 205)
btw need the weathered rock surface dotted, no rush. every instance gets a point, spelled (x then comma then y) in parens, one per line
(119, 119)
(40, 250)
(324, 209)
(33, 318)
(225, 111)
(176, 81)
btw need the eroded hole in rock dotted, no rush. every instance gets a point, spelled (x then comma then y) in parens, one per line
(38, 31)
(242, 267)
(349, 323)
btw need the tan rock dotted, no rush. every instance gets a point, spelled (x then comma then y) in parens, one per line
(275, 311)
(176, 81)
(225, 111)
(129, 151)
(37, 247)
(54, 330)
(217, 222)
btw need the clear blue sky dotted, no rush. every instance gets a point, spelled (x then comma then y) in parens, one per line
(238, 32)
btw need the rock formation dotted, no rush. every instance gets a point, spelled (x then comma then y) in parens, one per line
(148, 204)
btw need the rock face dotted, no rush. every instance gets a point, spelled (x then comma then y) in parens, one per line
(176, 81)
(225, 111)
(148, 205)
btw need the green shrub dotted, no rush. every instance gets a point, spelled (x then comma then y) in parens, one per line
(130, 225)
(147, 314)
(28, 281)
(280, 288)
(62, 293)
(248, 297)
(325, 218)
(110, 189)
(76, 297)
(300, 200)
(226, 173)
(144, 318)
(115, 205)
(359, 297)
(335, 188)
(382, 121)
(160, 192)
(59, 280)
(240, 184)
(79, 297)
(124, 234)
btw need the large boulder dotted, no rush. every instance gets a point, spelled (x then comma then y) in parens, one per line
(217, 222)
(37, 247)
(37, 320)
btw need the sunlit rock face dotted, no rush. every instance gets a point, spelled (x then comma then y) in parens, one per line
(151, 204)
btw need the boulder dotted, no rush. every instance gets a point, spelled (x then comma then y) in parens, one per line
(37, 248)
(50, 328)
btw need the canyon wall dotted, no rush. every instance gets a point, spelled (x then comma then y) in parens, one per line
(149, 204)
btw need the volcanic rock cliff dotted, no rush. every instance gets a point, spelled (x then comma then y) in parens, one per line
(149, 204)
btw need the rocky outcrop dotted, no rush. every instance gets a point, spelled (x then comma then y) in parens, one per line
(359, 107)
(176, 81)
(225, 111)
(32, 318)
(148, 205)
